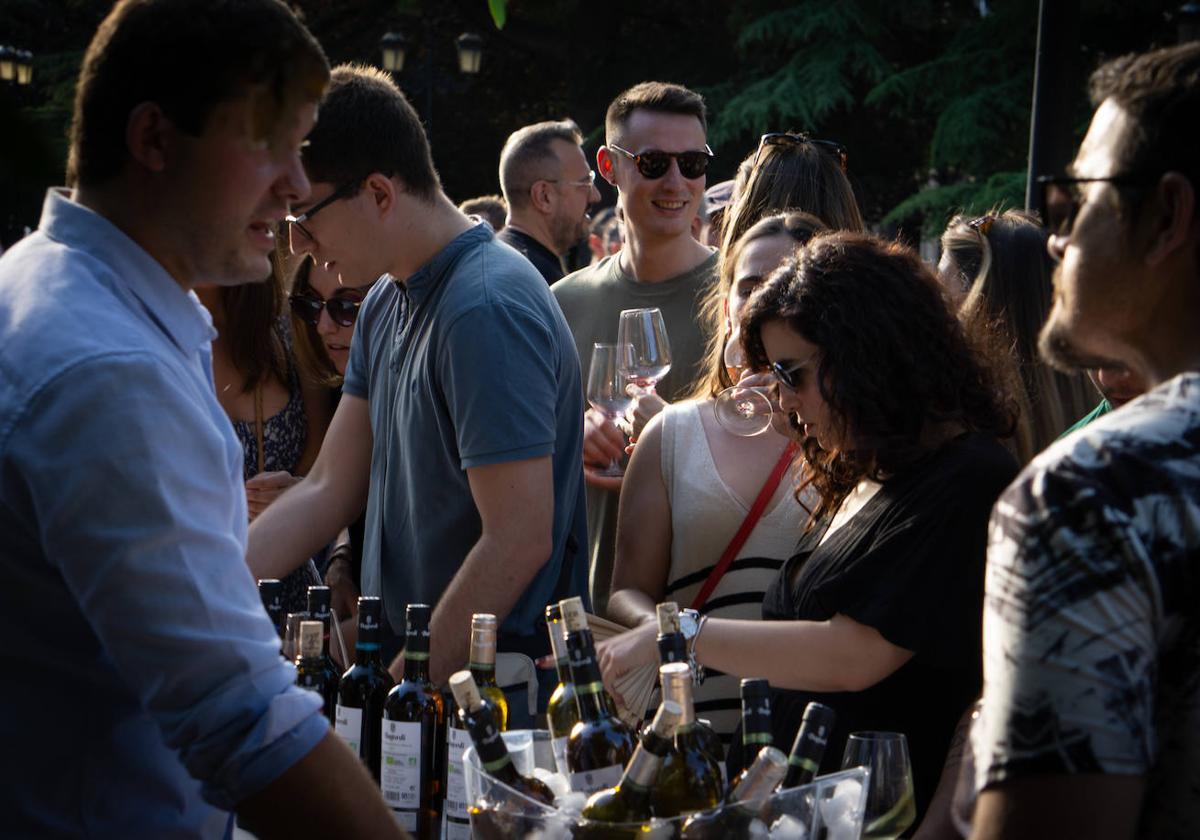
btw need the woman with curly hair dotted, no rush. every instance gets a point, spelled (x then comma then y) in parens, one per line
(899, 413)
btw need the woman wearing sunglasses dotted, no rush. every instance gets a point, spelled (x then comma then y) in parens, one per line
(898, 412)
(279, 418)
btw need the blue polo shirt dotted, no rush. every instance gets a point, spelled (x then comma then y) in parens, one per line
(468, 362)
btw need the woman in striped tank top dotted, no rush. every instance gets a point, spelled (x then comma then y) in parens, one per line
(690, 484)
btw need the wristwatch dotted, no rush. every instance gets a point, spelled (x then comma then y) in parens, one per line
(690, 625)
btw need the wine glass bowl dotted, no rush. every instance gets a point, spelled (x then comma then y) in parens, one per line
(891, 808)
(743, 410)
(645, 332)
(607, 390)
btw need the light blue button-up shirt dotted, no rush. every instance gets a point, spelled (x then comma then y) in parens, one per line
(144, 692)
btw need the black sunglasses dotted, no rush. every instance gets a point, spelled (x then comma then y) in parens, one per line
(344, 191)
(654, 164)
(789, 377)
(792, 138)
(343, 311)
(1059, 198)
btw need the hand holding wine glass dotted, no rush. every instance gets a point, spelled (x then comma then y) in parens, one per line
(742, 409)
(891, 808)
(606, 389)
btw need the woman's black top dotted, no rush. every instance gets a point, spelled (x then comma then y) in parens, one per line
(910, 564)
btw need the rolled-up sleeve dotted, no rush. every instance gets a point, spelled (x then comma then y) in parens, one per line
(127, 474)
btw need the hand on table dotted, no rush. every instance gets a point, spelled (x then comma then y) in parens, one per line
(265, 488)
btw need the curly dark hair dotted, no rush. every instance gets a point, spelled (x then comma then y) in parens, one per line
(896, 367)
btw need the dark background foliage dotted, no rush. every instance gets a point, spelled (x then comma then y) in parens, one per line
(932, 97)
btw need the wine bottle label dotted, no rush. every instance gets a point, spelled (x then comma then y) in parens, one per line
(406, 819)
(590, 781)
(456, 831)
(347, 723)
(457, 740)
(560, 754)
(574, 617)
(400, 765)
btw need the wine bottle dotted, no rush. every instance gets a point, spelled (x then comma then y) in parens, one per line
(319, 601)
(809, 746)
(271, 592)
(630, 800)
(498, 812)
(310, 669)
(359, 714)
(600, 745)
(756, 718)
(672, 647)
(689, 780)
(562, 712)
(483, 665)
(413, 715)
(743, 803)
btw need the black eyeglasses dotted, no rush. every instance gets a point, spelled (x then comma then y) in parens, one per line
(654, 164)
(344, 191)
(1059, 198)
(343, 311)
(790, 377)
(792, 138)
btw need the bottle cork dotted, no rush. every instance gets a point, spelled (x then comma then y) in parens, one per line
(668, 618)
(466, 693)
(573, 614)
(312, 635)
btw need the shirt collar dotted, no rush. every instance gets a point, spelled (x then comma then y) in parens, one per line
(426, 278)
(178, 313)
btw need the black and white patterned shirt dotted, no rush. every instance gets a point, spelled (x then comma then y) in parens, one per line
(1092, 610)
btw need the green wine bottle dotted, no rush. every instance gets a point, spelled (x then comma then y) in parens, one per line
(629, 801)
(500, 811)
(320, 599)
(689, 779)
(743, 803)
(483, 665)
(413, 716)
(672, 647)
(562, 712)
(809, 746)
(600, 744)
(359, 715)
(756, 719)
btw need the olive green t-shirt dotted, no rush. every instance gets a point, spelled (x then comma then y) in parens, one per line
(592, 299)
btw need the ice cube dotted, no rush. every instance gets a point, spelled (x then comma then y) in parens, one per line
(840, 812)
(572, 802)
(757, 830)
(557, 782)
(789, 828)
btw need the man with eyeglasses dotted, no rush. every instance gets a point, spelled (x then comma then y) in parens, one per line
(549, 188)
(656, 155)
(460, 427)
(146, 695)
(1090, 725)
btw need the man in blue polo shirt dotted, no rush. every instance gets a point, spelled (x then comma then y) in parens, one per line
(462, 408)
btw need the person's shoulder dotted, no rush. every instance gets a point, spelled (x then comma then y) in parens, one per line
(585, 281)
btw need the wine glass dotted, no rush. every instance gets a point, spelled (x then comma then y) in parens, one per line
(891, 808)
(743, 410)
(606, 389)
(962, 806)
(645, 333)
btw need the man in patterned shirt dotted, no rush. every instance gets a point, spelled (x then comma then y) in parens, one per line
(1091, 715)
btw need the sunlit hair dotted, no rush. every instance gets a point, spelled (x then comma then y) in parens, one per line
(311, 358)
(714, 377)
(793, 176)
(1005, 270)
(897, 368)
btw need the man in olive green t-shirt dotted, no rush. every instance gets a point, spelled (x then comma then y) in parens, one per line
(656, 157)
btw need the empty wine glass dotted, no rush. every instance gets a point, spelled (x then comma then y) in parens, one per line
(891, 808)
(743, 410)
(607, 391)
(645, 332)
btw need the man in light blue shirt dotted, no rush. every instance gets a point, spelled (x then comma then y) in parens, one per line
(146, 696)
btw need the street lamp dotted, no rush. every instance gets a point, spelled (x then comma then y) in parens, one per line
(24, 67)
(1188, 22)
(393, 45)
(16, 65)
(470, 52)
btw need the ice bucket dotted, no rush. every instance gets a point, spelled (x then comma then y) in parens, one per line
(834, 803)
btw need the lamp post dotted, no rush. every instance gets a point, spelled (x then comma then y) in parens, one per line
(394, 48)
